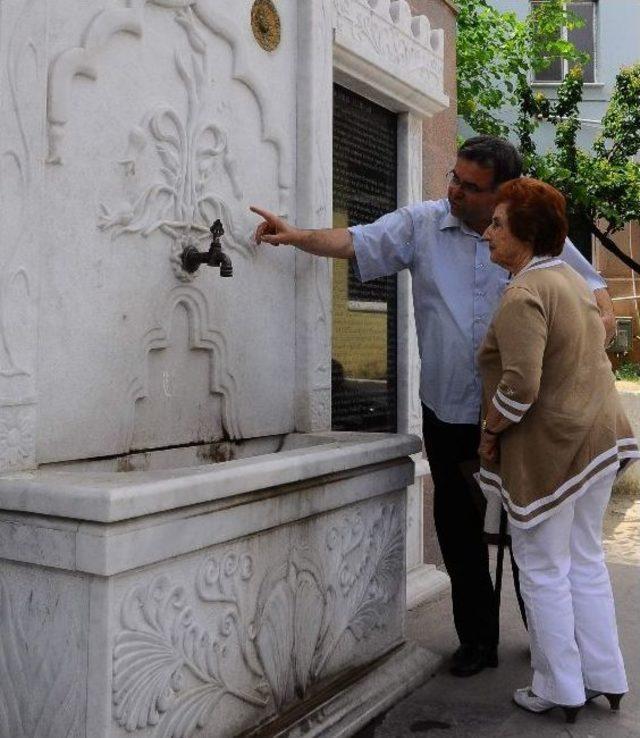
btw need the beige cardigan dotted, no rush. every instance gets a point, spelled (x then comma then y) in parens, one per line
(543, 366)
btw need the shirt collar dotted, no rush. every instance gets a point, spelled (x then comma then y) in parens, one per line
(535, 260)
(451, 221)
(538, 262)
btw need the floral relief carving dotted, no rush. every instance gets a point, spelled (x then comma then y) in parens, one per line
(160, 645)
(393, 33)
(221, 582)
(278, 632)
(322, 321)
(83, 61)
(17, 439)
(15, 283)
(347, 538)
(291, 620)
(182, 203)
(377, 581)
(320, 408)
(19, 195)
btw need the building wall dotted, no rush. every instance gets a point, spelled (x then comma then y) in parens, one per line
(439, 132)
(624, 286)
(438, 156)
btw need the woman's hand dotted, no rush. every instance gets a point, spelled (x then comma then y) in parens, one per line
(489, 448)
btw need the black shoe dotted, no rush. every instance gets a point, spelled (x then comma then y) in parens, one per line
(471, 659)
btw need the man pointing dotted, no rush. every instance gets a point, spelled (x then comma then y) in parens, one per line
(456, 289)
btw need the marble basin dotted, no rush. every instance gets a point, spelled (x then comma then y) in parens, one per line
(256, 589)
(108, 490)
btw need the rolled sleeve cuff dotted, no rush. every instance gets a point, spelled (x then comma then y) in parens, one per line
(365, 268)
(512, 410)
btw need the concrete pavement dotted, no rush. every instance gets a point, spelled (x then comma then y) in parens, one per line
(480, 706)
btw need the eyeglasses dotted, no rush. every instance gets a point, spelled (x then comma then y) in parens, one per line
(468, 187)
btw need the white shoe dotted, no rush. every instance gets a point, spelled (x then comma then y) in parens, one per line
(526, 699)
(529, 701)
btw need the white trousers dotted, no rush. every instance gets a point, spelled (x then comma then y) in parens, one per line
(567, 594)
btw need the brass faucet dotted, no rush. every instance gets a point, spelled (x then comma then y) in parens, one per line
(192, 258)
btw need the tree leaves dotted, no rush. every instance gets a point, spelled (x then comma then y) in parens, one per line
(602, 187)
(497, 53)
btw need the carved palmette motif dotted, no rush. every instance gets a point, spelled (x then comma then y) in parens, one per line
(276, 638)
(160, 645)
(40, 687)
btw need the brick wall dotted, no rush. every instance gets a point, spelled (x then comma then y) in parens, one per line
(623, 284)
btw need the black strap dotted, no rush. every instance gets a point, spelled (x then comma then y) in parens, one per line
(504, 540)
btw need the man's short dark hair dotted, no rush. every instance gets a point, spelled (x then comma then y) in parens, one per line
(489, 151)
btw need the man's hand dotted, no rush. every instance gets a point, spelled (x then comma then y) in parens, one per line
(273, 229)
(336, 243)
(605, 306)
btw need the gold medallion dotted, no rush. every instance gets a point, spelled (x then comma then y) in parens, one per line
(265, 23)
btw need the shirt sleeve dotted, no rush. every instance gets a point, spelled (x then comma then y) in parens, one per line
(576, 260)
(521, 329)
(385, 246)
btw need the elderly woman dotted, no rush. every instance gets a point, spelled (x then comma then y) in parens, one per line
(554, 436)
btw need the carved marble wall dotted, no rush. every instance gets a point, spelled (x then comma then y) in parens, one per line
(127, 128)
(188, 598)
(43, 652)
(23, 70)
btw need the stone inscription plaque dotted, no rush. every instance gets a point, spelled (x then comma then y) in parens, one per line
(364, 323)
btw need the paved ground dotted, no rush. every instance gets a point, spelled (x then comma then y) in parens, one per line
(480, 706)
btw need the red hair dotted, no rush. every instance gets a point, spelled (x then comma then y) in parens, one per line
(537, 214)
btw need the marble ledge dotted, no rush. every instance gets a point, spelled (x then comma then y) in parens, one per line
(114, 548)
(119, 547)
(114, 496)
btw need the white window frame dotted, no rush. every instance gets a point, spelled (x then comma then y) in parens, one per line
(564, 68)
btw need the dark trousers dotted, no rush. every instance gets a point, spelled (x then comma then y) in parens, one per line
(459, 520)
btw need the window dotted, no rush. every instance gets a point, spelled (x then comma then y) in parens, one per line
(584, 39)
(364, 341)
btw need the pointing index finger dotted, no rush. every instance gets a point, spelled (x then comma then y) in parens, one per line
(262, 213)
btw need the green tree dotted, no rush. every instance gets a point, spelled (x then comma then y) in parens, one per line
(602, 186)
(497, 54)
(497, 57)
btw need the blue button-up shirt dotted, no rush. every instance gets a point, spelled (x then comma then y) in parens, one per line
(456, 289)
